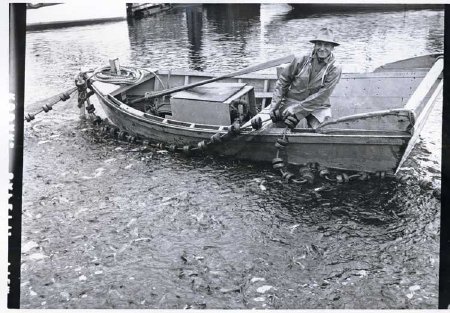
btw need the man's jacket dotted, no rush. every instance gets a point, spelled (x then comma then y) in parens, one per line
(307, 92)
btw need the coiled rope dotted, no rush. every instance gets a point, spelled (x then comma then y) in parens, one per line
(128, 75)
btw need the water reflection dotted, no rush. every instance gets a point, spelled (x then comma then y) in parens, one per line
(54, 56)
(235, 20)
(300, 10)
(160, 40)
(194, 20)
(229, 36)
(434, 36)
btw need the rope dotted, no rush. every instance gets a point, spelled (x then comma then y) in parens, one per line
(128, 75)
(50, 103)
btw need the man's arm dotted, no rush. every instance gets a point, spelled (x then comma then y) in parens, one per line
(283, 83)
(316, 100)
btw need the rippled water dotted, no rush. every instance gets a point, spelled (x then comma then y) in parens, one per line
(150, 229)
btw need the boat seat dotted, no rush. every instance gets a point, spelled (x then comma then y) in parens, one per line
(262, 94)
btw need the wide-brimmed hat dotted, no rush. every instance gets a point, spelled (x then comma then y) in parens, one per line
(325, 34)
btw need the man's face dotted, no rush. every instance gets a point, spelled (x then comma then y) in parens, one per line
(323, 49)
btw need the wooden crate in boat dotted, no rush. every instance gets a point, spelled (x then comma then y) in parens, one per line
(209, 103)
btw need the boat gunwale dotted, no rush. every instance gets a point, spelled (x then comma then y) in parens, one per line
(408, 73)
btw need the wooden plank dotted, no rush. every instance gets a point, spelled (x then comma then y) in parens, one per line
(365, 84)
(419, 125)
(266, 89)
(106, 88)
(269, 133)
(168, 84)
(350, 105)
(344, 131)
(137, 90)
(215, 92)
(381, 86)
(263, 94)
(352, 157)
(241, 93)
(157, 83)
(361, 102)
(200, 112)
(425, 85)
(115, 89)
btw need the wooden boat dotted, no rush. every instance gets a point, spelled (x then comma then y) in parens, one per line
(377, 116)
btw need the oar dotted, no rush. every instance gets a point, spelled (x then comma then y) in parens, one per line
(246, 70)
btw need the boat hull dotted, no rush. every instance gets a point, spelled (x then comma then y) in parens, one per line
(343, 151)
(377, 119)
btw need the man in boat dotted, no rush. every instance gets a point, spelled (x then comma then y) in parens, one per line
(303, 88)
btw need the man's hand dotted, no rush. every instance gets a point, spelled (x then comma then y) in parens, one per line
(287, 112)
(276, 116)
(290, 118)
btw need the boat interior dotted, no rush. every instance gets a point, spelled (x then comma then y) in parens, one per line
(220, 103)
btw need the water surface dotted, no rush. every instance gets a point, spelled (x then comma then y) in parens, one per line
(109, 226)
